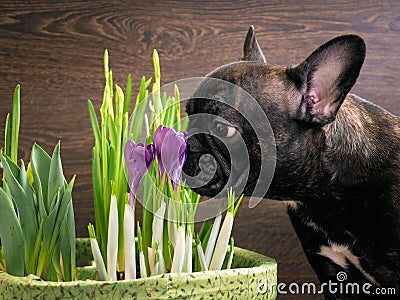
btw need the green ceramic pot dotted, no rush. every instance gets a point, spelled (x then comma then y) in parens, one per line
(253, 276)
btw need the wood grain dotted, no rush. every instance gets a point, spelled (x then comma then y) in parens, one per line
(54, 50)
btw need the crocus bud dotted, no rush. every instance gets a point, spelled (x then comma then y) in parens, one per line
(170, 147)
(139, 159)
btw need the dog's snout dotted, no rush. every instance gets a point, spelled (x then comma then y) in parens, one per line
(194, 144)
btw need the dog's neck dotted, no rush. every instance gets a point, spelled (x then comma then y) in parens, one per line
(361, 144)
(351, 162)
(359, 170)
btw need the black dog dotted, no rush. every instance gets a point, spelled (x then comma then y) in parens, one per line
(337, 159)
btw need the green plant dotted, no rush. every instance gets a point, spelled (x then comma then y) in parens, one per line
(108, 174)
(166, 238)
(37, 226)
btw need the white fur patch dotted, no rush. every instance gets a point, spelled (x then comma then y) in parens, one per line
(292, 204)
(341, 255)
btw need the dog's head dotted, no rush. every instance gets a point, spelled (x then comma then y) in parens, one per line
(298, 101)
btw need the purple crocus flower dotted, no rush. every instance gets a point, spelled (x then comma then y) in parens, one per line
(139, 159)
(170, 146)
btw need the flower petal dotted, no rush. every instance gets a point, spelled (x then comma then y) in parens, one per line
(170, 146)
(138, 160)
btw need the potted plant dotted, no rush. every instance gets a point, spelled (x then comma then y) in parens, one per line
(161, 258)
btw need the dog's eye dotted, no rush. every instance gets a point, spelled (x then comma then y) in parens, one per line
(224, 130)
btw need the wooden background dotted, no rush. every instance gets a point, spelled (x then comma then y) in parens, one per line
(54, 50)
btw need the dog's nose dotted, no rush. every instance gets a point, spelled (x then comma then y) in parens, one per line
(207, 164)
(194, 144)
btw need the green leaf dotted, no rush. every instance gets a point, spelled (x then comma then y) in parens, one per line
(41, 161)
(106, 69)
(62, 210)
(12, 237)
(13, 167)
(26, 210)
(48, 231)
(36, 250)
(56, 177)
(204, 229)
(39, 193)
(94, 123)
(237, 205)
(113, 132)
(54, 272)
(139, 111)
(119, 106)
(98, 192)
(128, 94)
(177, 107)
(68, 244)
(204, 241)
(52, 226)
(156, 63)
(7, 136)
(16, 114)
(24, 181)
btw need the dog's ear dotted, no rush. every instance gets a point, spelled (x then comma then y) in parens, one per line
(251, 48)
(326, 76)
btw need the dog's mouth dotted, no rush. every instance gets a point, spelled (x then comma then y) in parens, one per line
(206, 171)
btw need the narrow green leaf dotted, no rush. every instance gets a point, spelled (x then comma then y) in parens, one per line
(12, 237)
(167, 258)
(48, 231)
(146, 232)
(94, 123)
(113, 132)
(29, 192)
(54, 272)
(68, 245)
(39, 193)
(119, 107)
(106, 69)
(16, 115)
(98, 193)
(7, 136)
(110, 97)
(204, 229)
(237, 205)
(177, 107)
(139, 111)
(204, 241)
(156, 63)
(66, 199)
(36, 250)
(128, 94)
(139, 238)
(185, 123)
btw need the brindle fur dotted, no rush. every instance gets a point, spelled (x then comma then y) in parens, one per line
(341, 168)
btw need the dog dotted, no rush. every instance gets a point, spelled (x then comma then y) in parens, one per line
(337, 159)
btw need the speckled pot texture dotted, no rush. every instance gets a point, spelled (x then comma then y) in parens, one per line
(253, 276)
